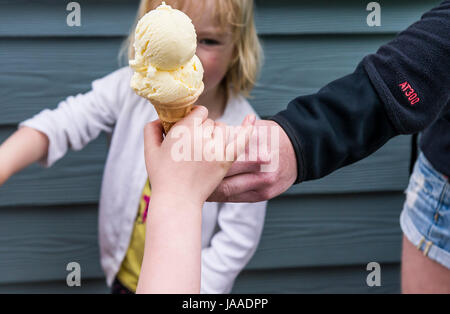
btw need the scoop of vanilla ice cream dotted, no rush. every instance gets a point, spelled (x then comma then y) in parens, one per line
(165, 65)
(169, 86)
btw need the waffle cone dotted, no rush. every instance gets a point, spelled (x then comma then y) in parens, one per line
(170, 113)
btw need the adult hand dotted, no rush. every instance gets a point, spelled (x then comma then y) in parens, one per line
(245, 182)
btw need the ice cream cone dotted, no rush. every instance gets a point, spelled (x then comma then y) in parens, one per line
(166, 69)
(171, 113)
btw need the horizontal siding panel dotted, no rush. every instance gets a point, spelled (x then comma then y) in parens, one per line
(301, 65)
(336, 17)
(327, 230)
(76, 178)
(115, 18)
(95, 286)
(318, 280)
(54, 70)
(36, 243)
(292, 281)
(385, 170)
(48, 18)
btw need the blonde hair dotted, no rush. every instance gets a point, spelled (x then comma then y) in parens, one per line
(245, 66)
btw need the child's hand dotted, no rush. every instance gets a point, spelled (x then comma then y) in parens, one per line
(192, 178)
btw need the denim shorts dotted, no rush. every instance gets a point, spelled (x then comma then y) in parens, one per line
(425, 219)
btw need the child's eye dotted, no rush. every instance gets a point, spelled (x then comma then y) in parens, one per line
(209, 42)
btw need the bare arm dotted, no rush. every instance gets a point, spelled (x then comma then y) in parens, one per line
(21, 149)
(172, 247)
(172, 254)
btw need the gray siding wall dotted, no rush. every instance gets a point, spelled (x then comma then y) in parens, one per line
(318, 237)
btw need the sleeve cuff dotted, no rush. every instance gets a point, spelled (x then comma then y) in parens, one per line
(53, 153)
(296, 143)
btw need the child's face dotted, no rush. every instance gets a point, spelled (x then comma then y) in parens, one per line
(215, 47)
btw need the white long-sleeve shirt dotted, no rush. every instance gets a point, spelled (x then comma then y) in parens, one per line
(230, 232)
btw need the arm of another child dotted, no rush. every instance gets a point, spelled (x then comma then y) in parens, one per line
(21, 149)
(76, 121)
(172, 255)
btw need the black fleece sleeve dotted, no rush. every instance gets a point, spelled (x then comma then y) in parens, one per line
(344, 122)
(401, 89)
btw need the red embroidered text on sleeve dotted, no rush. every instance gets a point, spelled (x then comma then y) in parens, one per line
(410, 93)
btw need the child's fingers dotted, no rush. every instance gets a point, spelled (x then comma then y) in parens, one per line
(220, 124)
(249, 123)
(208, 128)
(199, 112)
(240, 142)
(153, 135)
(248, 133)
(235, 139)
(235, 132)
(249, 120)
(220, 130)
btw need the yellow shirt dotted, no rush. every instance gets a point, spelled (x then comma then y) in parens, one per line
(130, 269)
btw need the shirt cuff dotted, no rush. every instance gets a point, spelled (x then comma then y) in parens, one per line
(296, 143)
(54, 153)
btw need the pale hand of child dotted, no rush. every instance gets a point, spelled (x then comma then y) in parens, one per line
(192, 181)
(172, 254)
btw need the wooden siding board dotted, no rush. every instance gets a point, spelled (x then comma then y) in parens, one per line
(115, 18)
(336, 17)
(54, 69)
(311, 280)
(92, 286)
(301, 65)
(37, 243)
(75, 179)
(24, 18)
(385, 170)
(330, 230)
(318, 280)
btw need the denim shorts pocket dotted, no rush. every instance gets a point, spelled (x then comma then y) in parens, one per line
(423, 194)
(425, 218)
